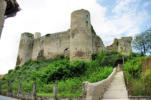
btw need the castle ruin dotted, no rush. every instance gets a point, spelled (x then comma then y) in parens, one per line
(79, 42)
(122, 45)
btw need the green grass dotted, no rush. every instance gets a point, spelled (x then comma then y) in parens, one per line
(68, 75)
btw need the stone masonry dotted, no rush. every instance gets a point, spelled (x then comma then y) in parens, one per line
(122, 45)
(78, 42)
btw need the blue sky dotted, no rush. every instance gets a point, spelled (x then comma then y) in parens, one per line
(131, 7)
(110, 19)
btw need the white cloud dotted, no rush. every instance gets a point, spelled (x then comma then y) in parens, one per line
(146, 4)
(50, 16)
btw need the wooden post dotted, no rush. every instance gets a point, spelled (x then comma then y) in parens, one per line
(8, 89)
(55, 91)
(19, 88)
(34, 91)
(123, 60)
(0, 87)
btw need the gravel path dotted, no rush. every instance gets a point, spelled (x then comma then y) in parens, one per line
(6, 98)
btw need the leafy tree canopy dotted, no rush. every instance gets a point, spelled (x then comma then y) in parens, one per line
(142, 42)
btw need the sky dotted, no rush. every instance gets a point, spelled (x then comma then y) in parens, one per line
(110, 19)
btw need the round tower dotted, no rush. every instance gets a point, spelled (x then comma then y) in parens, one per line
(80, 35)
(37, 35)
(25, 48)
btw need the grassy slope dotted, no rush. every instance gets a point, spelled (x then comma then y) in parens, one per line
(68, 75)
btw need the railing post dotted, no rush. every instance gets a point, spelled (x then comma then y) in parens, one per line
(34, 91)
(123, 60)
(9, 88)
(0, 87)
(55, 91)
(19, 88)
(84, 90)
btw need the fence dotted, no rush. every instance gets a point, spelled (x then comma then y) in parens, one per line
(33, 95)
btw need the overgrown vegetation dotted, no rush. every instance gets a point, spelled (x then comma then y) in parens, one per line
(68, 75)
(139, 83)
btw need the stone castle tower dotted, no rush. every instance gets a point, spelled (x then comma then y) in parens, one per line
(79, 42)
(80, 35)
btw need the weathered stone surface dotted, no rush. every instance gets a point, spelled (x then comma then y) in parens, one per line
(80, 35)
(97, 45)
(95, 91)
(25, 48)
(122, 45)
(37, 35)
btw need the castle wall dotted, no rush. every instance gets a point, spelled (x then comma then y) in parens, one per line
(98, 45)
(3, 5)
(80, 35)
(50, 45)
(80, 42)
(122, 45)
(37, 52)
(56, 44)
(25, 48)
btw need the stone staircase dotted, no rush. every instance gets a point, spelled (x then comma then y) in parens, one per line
(117, 89)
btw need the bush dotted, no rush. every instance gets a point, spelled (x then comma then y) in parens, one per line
(137, 87)
(140, 84)
(133, 67)
(108, 58)
(68, 75)
(147, 82)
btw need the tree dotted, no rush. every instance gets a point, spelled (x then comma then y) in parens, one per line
(142, 42)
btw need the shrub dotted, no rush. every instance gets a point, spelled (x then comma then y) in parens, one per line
(140, 84)
(147, 82)
(133, 67)
(109, 58)
(68, 75)
(137, 87)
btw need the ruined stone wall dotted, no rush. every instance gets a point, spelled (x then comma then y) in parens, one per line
(38, 49)
(50, 45)
(80, 35)
(97, 44)
(122, 45)
(25, 48)
(79, 42)
(3, 5)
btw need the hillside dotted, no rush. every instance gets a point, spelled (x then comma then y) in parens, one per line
(68, 75)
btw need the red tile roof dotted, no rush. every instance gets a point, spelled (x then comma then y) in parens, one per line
(1, 76)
